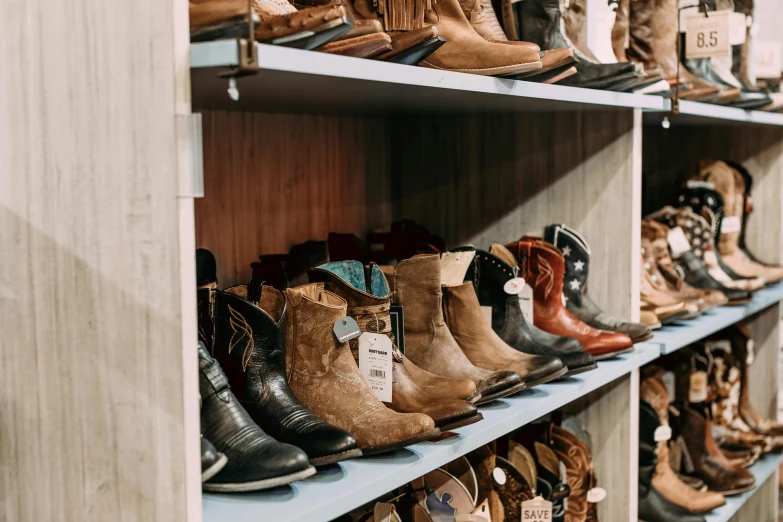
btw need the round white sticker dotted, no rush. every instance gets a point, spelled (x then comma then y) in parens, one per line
(499, 475)
(514, 286)
(596, 495)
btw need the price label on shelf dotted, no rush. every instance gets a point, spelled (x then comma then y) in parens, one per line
(707, 35)
(768, 59)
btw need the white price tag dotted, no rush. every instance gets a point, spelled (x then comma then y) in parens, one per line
(375, 364)
(738, 29)
(599, 31)
(526, 303)
(678, 242)
(698, 388)
(669, 380)
(750, 347)
(730, 224)
(768, 59)
(514, 286)
(537, 510)
(707, 36)
(662, 433)
(596, 495)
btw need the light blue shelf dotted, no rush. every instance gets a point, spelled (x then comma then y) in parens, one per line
(762, 470)
(350, 484)
(678, 335)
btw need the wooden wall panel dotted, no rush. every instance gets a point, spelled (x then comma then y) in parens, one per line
(274, 180)
(478, 179)
(91, 361)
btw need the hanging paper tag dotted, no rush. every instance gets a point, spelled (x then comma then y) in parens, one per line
(375, 364)
(454, 266)
(499, 475)
(768, 59)
(537, 510)
(751, 349)
(514, 286)
(707, 36)
(346, 329)
(662, 433)
(718, 346)
(668, 379)
(730, 224)
(526, 303)
(738, 29)
(397, 327)
(678, 243)
(596, 495)
(486, 311)
(698, 388)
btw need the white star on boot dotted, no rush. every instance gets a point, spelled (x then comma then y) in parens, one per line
(579, 265)
(566, 251)
(574, 284)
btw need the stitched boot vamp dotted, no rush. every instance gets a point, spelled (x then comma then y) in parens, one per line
(442, 387)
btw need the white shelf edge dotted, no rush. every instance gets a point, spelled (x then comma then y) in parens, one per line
(357, 482)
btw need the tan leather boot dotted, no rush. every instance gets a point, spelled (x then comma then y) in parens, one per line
(211, 19)
(665, 480)
(664, 306)
(620, 35)
(311, 28)
(367, 295)
(324, 376)
(416, 286)
(731, 186)
(484, 347)
(693, 305)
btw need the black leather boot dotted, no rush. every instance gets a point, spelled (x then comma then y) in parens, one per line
(539, 21)
(249, 344)
(576, 253)
(654, 507)
(255, 460)
(212, 461)
(489, 274)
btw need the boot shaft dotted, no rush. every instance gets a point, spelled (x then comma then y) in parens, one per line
(543, 267)
(416, 286)
(576, 255)
(731, 186)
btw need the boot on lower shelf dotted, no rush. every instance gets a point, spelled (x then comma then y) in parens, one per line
(544, 265)
(255, 460)
(323, 374)
(577, 268)
(366, 291)
(212, 461)
(653, 506)
(248, 323)
(416, 286)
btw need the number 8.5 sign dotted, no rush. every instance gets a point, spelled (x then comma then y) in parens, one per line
(707, 36)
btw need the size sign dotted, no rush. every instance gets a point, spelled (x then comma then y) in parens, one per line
(537, 510)
(707, 36)
(768, 59)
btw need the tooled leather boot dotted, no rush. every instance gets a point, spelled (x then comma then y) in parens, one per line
(490, 273)
(575, 454)
(664, 306)
(731, 186)
(709, 463)
(482, 345)
(416, 286)
(249, 344)
(543, 267)
(577, 268)
(701, 204)
(255, 460)
(323, 375)
(660, 287)
(653, 392)
(366, 291)
(549, 478)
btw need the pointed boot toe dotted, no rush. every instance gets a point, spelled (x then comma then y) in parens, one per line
(449, 415)
(404, 428)
(499, 385)
(333, 445)
(544, 368)
(578, 362)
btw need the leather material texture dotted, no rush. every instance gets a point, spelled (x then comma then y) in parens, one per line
(416, 286)
(641, 36)
(653, 506)
(208, 12)
(575, 455)
(323, 375)
(367, 46)
(252, 454)
(370, 309)
(279, 18)
(543, 266)
(577, 270)
(482, 345)
(210, 456)
(489, 273)
(696, 275)
(250, 346)
(620, 30)
(553, 60)
(655, 290)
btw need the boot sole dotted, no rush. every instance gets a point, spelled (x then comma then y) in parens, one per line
(502, 393)
(581, 369)
(259, 484)
(642, 339)
(399, 445)
(474, 398)
(336, 457)
(547, 378)
(415, 54)
(490, 71)
(609, 355)
(739, 302)
(318, 36)
(462, 422)
(214, 469)
(736, 491)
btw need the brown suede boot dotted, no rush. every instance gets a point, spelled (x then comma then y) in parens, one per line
(484, 347)
(693, 304)
(731, 186)
(416, 286)
(367, 293)
(324, 376)
(665, 480)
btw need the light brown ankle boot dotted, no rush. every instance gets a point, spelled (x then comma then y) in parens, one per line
(324, 376)
(416, 286)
